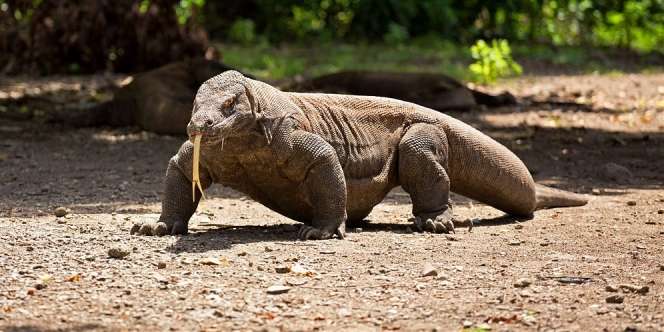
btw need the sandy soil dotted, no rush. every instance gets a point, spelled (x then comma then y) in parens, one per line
(597, 267)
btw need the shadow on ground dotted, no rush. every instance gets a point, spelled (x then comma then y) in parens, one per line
(222, 237)
(103, 170)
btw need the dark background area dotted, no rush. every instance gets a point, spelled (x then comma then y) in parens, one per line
(50, 36)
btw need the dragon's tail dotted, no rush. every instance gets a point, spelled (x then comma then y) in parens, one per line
(550, 197)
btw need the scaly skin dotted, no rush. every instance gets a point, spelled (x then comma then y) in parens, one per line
(323, 159)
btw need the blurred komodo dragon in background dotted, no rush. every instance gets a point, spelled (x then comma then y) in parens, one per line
(435, 91)
(324, 159)
(160, 100)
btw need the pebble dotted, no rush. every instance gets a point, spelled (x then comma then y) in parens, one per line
(429, 271)
(60, 211)
(631, 203)
(327, 252)
(660, 211)
(467, 324)
(278, 289)
(523, 282)
(611, 288)
(118, 252)
(518, 226)
(514, 242)
(161, 265)
(451, 238)
(209, 261)
(282, 269)
(635, 289)
(61, 220)
(615, 298)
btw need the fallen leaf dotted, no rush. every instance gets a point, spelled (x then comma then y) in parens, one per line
(73, 278)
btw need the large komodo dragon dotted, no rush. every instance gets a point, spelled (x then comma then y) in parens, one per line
(323, 159)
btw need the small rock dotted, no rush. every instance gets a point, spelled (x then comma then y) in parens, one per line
(611, 288)
(518, 226)
(631, 203)
(635, 289)
(40, 286)
(296, 282)
(282, 269)
(209, 261)
(429, 271)
(514, 242)
(242, 253)
(523, 282)
(661, 267)
(268, 249)
(660, 211)
(278, 289)
(118, 252)
(467, 324)
(61, 220)
(31, 291)
(327, 252)
(343, 312)
(616, 298)
(60, 211)
(451, 238)
(161, 265)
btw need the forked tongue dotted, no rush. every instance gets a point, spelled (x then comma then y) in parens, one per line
(196, 178)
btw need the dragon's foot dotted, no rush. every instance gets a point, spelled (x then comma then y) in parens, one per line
(159, 228)
(432, 223)
(307, 232)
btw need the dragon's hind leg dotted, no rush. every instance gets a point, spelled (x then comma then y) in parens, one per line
(422, 173)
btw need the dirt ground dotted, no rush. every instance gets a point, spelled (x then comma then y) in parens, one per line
(596, 267)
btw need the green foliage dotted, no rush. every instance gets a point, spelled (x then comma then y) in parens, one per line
(396, 34)
(242, 31)
(634, 24)
(186, 8)
(493, 61)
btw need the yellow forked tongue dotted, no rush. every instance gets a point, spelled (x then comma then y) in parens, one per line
(196, 179)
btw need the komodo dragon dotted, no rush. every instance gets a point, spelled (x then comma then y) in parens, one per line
(436, 91)
(160, 100)
(322, 159)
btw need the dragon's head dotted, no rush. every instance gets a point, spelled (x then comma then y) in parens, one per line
(223, 107)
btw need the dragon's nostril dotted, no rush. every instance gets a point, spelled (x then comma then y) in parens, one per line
(208, 122)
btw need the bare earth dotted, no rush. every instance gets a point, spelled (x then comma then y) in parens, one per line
(558, 271)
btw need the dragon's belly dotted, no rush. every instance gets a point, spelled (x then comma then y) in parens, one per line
(260, 178)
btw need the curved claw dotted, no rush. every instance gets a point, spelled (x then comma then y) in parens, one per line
(159, 228)
(442, 223)
(312, 233)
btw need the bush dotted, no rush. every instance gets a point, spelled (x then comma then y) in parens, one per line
(242, 31)
(396, 34)
(492, 62)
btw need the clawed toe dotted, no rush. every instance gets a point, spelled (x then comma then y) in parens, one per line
(158, 228)
(312, 233)
(441, 224)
